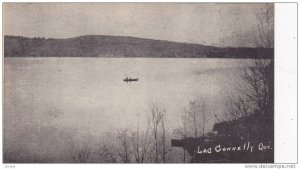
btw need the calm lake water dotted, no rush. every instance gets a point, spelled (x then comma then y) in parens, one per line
(88, 95)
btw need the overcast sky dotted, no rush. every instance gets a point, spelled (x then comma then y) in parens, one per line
(209, 24)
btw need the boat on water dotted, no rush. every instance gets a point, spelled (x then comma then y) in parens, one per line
(130, 79)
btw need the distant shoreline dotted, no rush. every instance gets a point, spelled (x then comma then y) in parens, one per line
(100, 46)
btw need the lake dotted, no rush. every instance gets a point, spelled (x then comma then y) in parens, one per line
(88, 95)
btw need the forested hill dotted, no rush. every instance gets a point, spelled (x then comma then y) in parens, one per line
(120, 46)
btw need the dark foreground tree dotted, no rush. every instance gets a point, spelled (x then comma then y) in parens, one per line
(254, 95)
(124, 144)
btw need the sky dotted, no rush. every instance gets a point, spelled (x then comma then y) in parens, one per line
(202, 23)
